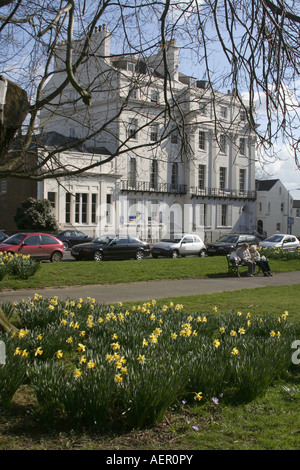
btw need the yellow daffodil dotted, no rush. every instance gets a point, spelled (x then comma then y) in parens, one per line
(216, 343)
(80, 347)
(38, 351)
(118, 378)
(198, 396)
(77, 373)
(59, 354)
(235, 352)
(141, 359)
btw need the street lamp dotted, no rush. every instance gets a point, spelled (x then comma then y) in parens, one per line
(288, 211)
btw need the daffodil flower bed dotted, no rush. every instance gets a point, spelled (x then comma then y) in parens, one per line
(96, 364)
(17, 265)
(280, 254)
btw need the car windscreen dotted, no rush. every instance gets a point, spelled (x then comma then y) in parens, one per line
(274, 238)
(171, 240)
(228, 239)
(14, 239)
(102, 240)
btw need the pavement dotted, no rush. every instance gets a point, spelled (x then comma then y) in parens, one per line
(142, 291)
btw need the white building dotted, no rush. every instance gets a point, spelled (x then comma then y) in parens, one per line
(166, 168)
(275, 209)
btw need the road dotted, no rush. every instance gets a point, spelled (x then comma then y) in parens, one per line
(140, 291)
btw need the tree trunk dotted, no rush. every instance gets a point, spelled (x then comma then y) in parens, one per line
(5, 325)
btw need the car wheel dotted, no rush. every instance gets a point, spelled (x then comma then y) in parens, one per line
(66, 246)
(174, 254)
(202, 253)
(139, 254)
(98, 256)
(56, 257)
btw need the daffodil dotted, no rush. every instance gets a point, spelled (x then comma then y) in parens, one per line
(118, 378)
(141, 359)
(59, 354)
(216, 343)
(38, 351)
(80, 347)
(77, 373)
(235, 352)
(198, 396)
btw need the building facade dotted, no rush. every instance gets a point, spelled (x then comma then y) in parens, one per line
(175, 155)
(276, 211)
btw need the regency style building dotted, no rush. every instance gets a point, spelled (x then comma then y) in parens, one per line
(181, 167)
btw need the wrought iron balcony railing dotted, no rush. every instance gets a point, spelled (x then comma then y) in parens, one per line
(146, 186)
(222, 193)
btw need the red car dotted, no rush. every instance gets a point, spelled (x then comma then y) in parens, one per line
(39, 246)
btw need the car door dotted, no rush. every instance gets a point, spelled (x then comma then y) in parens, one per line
(117, 248)
(49, 246)
(289, 243)
(32, 246)
(133, 245)
(187, 246)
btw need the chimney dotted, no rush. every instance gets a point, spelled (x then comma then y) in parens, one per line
(100, 42)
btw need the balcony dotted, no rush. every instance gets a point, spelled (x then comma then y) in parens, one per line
(217, 193)
(147, 187)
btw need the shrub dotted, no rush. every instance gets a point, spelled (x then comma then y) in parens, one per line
(22, 266)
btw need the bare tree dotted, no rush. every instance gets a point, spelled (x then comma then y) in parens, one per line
(249, 47)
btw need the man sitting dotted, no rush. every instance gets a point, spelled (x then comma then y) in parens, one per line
(244, 254)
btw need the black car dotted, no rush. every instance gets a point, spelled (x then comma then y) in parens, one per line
(111, 247)
(72, 237)
(229, 243)
(3, 236)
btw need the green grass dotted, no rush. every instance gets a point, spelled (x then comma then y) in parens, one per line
(262, 300)
(107, 272)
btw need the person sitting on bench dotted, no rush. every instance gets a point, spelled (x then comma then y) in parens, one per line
(244, 254)
(261, 261)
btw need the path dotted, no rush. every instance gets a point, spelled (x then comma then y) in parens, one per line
(139, 291)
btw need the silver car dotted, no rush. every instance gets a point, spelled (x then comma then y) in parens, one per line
(184, 245)
(282, 241)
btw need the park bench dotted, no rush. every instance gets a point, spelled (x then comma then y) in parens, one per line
(234, 265)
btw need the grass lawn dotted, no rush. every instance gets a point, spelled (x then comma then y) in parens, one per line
(107, 272)
(270, 422)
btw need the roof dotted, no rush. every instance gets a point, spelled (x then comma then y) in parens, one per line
(59, 141)
(265, 185)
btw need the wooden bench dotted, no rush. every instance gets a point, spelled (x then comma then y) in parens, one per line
(234, 266)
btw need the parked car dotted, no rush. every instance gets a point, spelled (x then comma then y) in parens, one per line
(230, 242)
(72, 237)
(282, 241)
(3, 236)
(111, 247)
(40, 246)
(184, 245)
